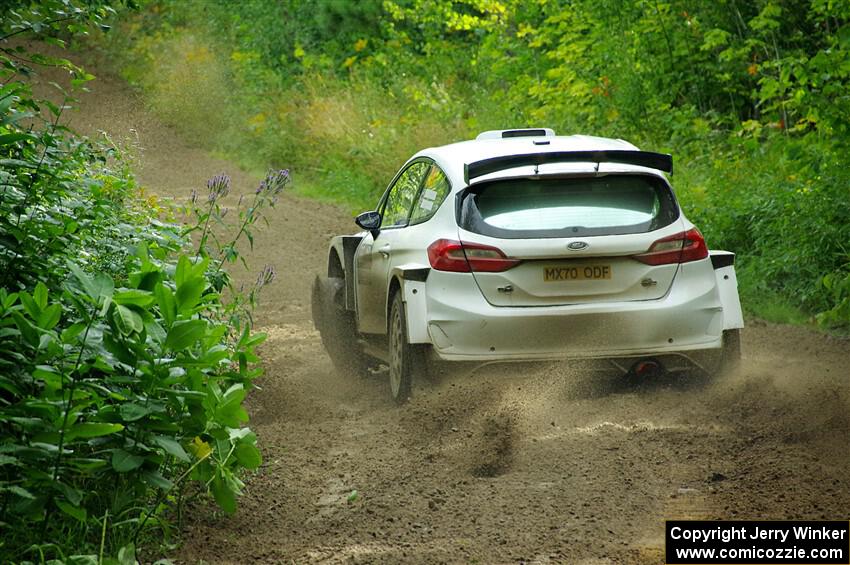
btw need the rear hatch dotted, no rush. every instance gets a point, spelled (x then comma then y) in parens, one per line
(570, 240)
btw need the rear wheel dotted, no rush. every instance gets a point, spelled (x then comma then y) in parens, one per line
(728, 360)
(731, 354)
(401, 353)
(337, 326)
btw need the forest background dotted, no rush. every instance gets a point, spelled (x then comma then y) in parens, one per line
(751, 98)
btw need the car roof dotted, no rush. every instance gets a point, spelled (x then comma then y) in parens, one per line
(452, 158)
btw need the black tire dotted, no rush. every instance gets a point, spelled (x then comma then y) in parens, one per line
(728, 360)
(337, 327)
(731, 354)
(403, 356)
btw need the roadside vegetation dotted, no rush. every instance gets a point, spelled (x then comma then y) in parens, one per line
(750, 97)
(125, 351)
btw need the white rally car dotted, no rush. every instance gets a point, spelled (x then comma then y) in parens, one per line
(522, 245)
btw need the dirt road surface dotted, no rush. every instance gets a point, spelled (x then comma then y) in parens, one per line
(516, 465)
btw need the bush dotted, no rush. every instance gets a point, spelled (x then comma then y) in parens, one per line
(125, 352)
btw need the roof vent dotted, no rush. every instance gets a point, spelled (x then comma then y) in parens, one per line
(505, 133)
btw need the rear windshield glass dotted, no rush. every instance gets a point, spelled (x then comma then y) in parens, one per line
(568, 207)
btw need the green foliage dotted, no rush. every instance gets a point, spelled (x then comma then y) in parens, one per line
(125, 352)
(783, 206)
(838, 285)
(749, 96)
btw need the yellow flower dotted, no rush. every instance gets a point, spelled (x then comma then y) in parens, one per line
(257, 122)
(361, 44)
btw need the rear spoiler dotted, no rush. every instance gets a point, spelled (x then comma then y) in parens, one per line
(660, 161)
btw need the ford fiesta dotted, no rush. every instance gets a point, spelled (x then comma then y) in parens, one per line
(522, 245)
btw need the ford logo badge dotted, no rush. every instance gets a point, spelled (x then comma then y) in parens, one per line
(577, 245)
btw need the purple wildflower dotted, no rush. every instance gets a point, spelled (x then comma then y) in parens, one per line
(194, 197)
(219, 187)
(274, 182)
(266, 276)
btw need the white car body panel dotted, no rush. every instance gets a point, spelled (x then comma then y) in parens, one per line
(688, 313)
(549, 252)
(468, 328)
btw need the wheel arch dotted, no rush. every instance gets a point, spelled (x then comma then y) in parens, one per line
(335, 269)
(392, 289)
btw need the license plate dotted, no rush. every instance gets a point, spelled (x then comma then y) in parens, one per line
(582, 273)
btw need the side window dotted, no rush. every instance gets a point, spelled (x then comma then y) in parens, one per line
(402, 194)
(434, 190)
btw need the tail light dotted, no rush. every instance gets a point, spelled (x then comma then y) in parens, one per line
(459, 257)
(679, 248)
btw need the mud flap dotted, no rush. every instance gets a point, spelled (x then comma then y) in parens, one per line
(412, 279)
(414, 300)
(727, 285)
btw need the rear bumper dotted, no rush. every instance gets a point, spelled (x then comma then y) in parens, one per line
(463, 326)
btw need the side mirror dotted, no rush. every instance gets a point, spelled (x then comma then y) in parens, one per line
(369, 220)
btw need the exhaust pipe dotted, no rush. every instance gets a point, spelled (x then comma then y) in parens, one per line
(647, 368)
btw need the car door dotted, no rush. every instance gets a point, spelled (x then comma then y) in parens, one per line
(374, 253)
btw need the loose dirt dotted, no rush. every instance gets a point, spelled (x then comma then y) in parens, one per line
(549, 464)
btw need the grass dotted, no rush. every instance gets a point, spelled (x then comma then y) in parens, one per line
(339, 188)
(775, 309)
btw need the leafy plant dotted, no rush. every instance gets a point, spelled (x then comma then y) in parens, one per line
(123, 365)
(210, 214)
(838, 284)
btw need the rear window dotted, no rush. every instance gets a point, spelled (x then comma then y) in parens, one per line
(568, 207)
